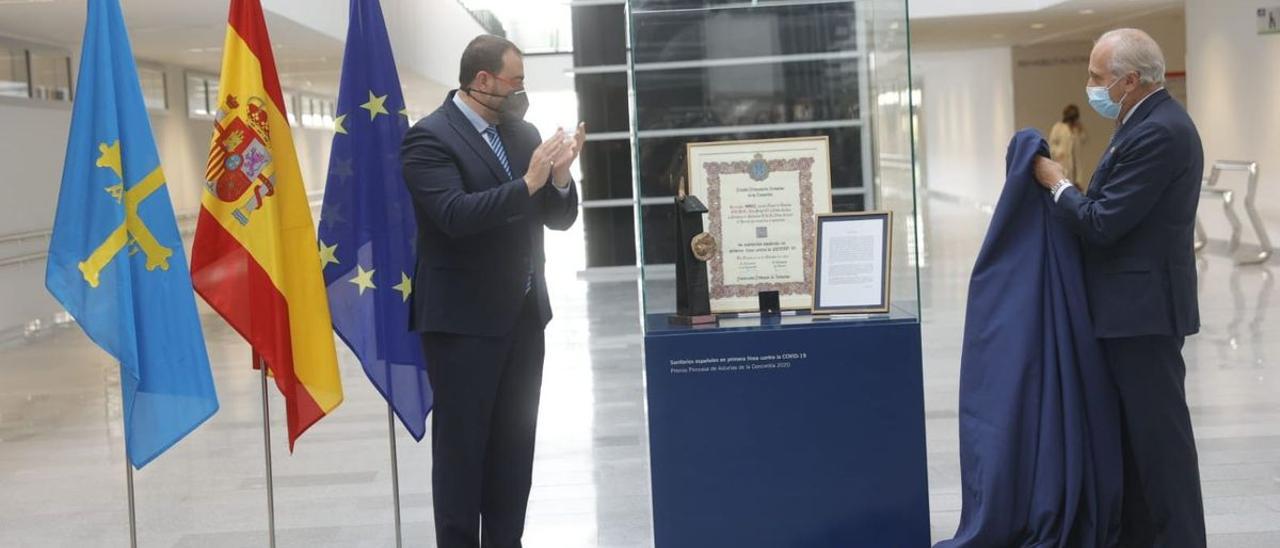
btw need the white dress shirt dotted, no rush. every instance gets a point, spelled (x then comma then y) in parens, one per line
(481, 124)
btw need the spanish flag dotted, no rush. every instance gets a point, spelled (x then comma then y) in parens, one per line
(255, 259)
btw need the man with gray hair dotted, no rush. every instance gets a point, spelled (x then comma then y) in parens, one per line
(1136, 223)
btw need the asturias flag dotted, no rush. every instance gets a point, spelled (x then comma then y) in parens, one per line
(115, 260)
(254, 258)
(367, 228)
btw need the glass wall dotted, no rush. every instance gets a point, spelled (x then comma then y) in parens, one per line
(35, 72)
(13, 72)
(603, 87)
(50, 75)
(706, 71)
(155, 92)
(202, 95)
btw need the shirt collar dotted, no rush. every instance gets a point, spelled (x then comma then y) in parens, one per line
(1135, 107)
(476, 120)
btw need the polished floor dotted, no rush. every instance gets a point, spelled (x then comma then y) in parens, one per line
(62, 471)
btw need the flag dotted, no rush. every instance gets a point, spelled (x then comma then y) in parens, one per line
(115, 257)
(254, 259)
(367, 228)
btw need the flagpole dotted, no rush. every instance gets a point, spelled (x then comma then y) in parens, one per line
(133, 516)
(266, 440)
(395, 472)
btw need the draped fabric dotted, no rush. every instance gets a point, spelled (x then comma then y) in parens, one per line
(367, 230)
(255, 259)
(1039, 421)
(116, 261)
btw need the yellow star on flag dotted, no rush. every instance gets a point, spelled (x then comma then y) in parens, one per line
(337, 124)
(405, 287)
(363, 279)
(375, 105)
(404, 112)
(328, 255)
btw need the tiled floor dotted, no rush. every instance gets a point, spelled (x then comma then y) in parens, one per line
(62, 472)
(1232, 384)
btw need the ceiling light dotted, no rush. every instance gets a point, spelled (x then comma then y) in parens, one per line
(997, 36)
(1037, 26)
(1086, 12)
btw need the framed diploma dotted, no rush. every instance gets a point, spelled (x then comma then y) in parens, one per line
(853, 263)
(763, 199)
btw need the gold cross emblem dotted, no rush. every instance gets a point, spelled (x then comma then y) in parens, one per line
(132, 230)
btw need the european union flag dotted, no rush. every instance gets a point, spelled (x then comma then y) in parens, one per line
(116, 261)
(367, 229)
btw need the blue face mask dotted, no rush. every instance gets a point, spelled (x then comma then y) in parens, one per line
(1100, 100)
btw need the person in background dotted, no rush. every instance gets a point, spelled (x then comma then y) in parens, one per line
(1065, 141)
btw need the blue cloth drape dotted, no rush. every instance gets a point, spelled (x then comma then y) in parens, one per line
(1039, 421)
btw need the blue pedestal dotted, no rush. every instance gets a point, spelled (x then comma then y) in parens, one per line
(790, 435)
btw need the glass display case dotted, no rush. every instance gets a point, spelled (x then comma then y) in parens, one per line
(798, 429)
(708, 71)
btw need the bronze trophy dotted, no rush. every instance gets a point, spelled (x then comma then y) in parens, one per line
(694, 247)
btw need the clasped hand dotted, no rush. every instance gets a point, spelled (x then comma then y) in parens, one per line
(553, 158)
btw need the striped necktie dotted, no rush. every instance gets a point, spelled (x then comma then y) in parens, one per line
(495, 143)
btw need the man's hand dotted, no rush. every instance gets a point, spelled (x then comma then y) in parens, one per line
(1048, 172)
(560, 174)
(540, 162)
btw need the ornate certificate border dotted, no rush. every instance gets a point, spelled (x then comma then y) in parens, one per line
(804, 165)
(810, 158)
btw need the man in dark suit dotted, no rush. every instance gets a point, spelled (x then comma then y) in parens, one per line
(1136, 223)
(484, 185)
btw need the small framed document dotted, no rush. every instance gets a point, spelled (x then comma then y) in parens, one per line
(853, 263)
(763, 198)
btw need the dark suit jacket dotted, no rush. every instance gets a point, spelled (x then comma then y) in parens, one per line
(479, 230)
(1137, 223)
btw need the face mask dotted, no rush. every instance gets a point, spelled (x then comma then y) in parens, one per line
(1100, 100)
(513, 106)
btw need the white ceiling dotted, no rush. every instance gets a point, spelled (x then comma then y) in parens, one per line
(950, 8)
(190, 33)
(1066, 21)
(183, 33)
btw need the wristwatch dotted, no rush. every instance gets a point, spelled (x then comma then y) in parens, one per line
(1058, 187)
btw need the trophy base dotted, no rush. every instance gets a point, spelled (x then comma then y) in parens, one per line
(680, 319)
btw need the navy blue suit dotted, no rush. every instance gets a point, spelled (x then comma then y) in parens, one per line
(480, 301)
(1136, 224)
(479, 231)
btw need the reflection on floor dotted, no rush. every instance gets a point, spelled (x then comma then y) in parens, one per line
(1232, 385)
(62, 472)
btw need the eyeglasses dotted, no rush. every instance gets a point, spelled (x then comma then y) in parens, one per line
(512, 83)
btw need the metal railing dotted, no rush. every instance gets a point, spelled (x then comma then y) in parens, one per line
(486, 19)
(1212, 188)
